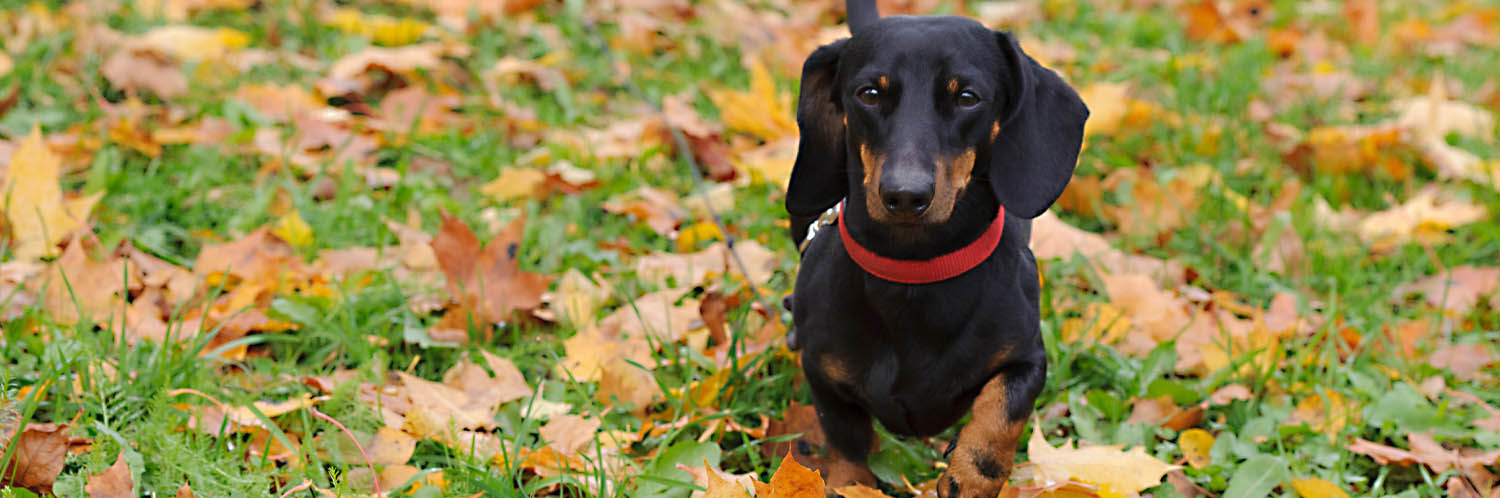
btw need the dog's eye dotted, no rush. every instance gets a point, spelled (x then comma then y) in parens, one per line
(967, 98)
(869, 95)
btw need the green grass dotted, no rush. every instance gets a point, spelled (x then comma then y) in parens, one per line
(120, 396)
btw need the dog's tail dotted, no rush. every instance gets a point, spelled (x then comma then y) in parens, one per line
(862, 14)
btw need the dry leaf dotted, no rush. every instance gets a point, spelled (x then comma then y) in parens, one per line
(486, 390)
(488, 280)
(1195, 445)
(39, 453)
(1465, 361)
(1122, 471)
(569, 434)
(113, 482)
(792, 480)
(37, 215)
(1317, 488)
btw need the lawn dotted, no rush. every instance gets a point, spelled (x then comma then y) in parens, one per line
(472, 247)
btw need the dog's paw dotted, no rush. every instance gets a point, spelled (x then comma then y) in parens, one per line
(967, 480)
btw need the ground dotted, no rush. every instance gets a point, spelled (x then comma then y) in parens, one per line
(447, 248)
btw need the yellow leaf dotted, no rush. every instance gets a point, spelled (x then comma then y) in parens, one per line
(37, 215)
(515, 183)
(719, 487)
(292, 229)
(381, 29)
(1122, 471)
(1195, 445)
(689, 238)
(1317, 488)
(1101, 322)
(194, 43)
(762, 111)
(1108, 104)
(5, 64)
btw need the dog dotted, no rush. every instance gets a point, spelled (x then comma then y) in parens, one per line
(937, 140)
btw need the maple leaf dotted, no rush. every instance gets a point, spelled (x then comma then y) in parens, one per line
(569, 434)
(1457, 290)
(488, 280)
(663, 315)
(113, 482)
(487, 390)
(1426, 218)
(1465, 360)
(761, 112)
(1122, 471)
(792, 480)
(78, 287)
(39, 453)
(37, 214)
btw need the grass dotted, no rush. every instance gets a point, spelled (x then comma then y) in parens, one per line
(122, 396)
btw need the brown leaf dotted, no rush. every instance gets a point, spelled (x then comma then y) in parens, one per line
(792, 480)
(445, 403)
(1232, 392)
(39, 453)
(113, 482)
(664, 316)
(797, 419)
(486, 390)
(257, 256)
(1457, 291)
(489, 280)
(1465, 361)
(569, 434)
(79, 287)
(185, 492)
(622, 382)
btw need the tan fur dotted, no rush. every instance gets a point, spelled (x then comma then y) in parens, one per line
(953, 85)
(953, 176)
(986, 445)
(994, 131)
(872, 163)
(834, 368)
(884, 83)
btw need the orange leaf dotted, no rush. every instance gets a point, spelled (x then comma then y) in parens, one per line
(39, 453)
(792, 480)
(488, 280)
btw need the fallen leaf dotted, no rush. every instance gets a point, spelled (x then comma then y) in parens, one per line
(1465, 361)
(761, 112)
(40, 451)
(37, 214)
(488, 280)
(719, 487)
(1317, 488)
(577, 298)
(516, 183)
(1195, 445)
(1458, 290)
(1425, 218)
(1123, 471)
(860, 491)
(113, 482)
(588, 351)
(622, 382)
(792, 480)
(569, 434)
(484, 389)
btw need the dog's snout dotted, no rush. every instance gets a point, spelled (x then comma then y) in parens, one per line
(907, 198)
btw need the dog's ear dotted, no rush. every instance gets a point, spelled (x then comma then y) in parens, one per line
(1041, 131)
(818, 176)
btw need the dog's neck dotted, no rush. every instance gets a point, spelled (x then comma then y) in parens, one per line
(973, 213)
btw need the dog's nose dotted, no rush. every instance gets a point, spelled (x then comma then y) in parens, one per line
(906, 200)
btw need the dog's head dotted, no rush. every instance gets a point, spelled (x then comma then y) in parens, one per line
(912, 111)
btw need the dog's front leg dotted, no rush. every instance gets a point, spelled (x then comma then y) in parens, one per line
(850, 436)
(981, 461)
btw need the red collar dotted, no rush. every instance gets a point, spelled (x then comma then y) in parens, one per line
(937, 269)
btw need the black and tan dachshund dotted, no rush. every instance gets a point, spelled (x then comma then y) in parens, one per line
(940, 140)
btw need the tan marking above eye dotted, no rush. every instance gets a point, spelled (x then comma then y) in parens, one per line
(884, 82)
(953, 85)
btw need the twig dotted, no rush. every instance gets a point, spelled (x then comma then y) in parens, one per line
(374, 477)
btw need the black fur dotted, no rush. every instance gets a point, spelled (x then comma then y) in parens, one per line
(918, 355)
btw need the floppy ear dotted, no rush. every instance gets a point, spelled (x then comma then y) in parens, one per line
(1041, 131)
(818, 176)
